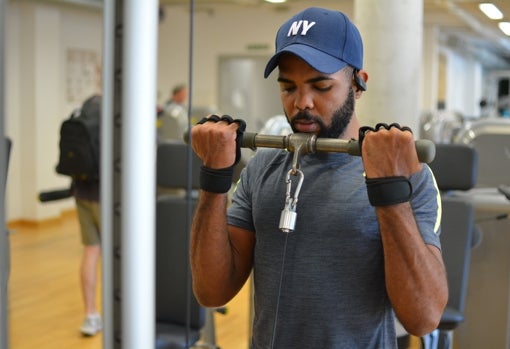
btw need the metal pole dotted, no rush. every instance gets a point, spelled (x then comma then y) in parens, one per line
(4, 238)
(107, 193)
(309, 143)
(139, 173)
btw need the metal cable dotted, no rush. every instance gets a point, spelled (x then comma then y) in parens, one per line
(189, 188)
(273, 335)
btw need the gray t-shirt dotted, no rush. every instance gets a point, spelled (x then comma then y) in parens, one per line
(333, 292)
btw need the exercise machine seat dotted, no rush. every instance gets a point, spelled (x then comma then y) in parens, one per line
(455, 168)
(180, 320)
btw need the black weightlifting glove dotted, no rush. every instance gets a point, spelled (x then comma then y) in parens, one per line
(220, 180)
(386, 191)
(364, 129)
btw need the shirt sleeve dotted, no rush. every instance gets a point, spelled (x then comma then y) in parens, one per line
(426, 204)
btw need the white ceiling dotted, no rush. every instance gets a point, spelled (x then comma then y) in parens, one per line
(462, 25)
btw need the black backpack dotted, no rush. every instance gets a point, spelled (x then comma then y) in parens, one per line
(79, 142)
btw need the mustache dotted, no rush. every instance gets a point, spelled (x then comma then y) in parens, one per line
(304, 115)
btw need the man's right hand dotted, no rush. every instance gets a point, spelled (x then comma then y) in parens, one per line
(213, 139)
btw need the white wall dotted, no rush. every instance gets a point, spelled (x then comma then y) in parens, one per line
(463, 84)
(430, 68)
(38, 38)
(226, 30)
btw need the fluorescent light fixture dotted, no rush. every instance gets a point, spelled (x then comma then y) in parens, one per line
(505, 27)
(490, 10)
(276, 1)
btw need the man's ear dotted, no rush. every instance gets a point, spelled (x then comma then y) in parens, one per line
(360, 80)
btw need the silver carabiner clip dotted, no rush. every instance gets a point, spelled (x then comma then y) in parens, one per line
(289, 215)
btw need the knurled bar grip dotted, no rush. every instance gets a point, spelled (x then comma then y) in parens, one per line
(309, 143)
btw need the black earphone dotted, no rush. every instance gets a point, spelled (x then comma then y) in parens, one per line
(360, 83)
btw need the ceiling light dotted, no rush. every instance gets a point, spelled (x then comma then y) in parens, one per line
(276, 1)
(491, 11)
(505, 27)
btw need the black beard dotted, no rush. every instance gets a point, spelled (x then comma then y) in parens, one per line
(341, 119)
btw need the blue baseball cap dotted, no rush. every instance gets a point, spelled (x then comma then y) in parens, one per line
(327, 40)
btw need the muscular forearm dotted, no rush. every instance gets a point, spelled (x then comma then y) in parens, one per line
(215, 276)
(415, 274)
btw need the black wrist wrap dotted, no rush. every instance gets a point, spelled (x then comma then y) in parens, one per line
(387, 191)
(216, 181)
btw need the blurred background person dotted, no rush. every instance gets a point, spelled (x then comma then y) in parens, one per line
(173, 117)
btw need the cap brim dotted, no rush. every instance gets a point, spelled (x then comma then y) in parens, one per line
(318, 60)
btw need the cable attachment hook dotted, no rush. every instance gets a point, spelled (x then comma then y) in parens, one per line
(289, 215)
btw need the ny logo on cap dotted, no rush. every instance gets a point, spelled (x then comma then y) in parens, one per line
(304, 26)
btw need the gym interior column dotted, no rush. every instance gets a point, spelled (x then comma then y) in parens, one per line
(138, 173)
(392, 37)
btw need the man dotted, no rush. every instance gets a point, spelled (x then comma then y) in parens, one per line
(173, 120)
(87, 205)
(87, 197)
(365, 246)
